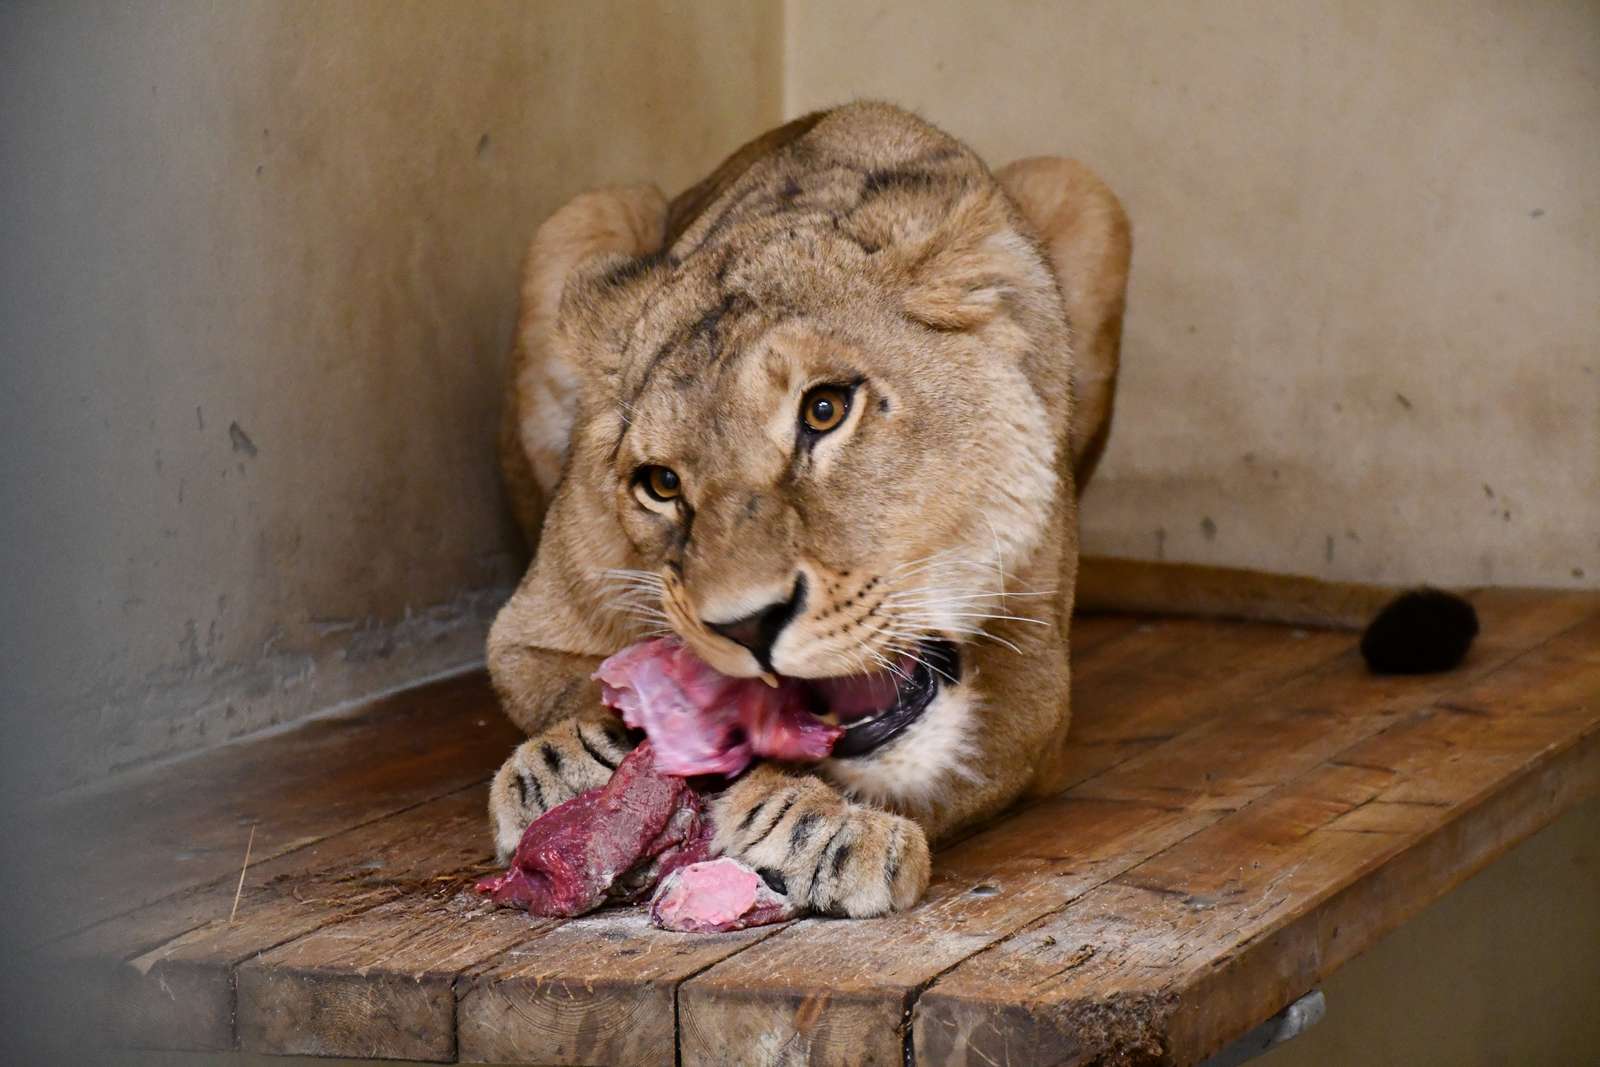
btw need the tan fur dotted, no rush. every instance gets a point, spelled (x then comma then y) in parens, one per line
(542, 386)
(1090, 244)
(858, 245)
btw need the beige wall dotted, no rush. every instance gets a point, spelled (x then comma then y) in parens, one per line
(260, 265)
(1364, 338)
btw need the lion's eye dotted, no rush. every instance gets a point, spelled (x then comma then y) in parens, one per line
(659, 483)
(824, 408)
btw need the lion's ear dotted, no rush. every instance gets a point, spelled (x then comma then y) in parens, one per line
(960, 276)
(619, 223)
(593, 245)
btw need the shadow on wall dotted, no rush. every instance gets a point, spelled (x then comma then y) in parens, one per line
(261, 264)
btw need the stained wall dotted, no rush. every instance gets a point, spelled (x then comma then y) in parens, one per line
(1364, 332)
(259, 278)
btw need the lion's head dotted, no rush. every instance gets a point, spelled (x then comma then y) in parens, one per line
(825, 415)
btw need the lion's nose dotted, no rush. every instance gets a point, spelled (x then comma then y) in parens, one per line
(759, 630)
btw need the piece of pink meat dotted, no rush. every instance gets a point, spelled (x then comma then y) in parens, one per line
(704, 722)
(617, 842)
(716, 896)
(614, 842)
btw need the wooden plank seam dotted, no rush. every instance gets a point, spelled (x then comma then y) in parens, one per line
(1458, 811)
(1453, 685)
(1113, 870)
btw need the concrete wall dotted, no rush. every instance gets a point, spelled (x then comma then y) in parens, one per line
(1364, 339)
(259, 264)
(259, 278)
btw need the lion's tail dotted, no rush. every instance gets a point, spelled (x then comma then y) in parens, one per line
(1414, 631)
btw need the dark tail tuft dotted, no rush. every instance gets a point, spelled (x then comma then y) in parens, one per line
(1420, 632)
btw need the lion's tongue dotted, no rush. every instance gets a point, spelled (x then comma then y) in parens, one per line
(860, 696)
(702, 722)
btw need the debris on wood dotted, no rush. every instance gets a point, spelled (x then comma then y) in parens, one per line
(238, 890)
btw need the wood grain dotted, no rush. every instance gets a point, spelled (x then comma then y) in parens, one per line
(595, 990)
(179, 993)
(1239, 810)
(381, 985)
(1217, 747)
(184, 826)
(1174, 957)
(1137, 691)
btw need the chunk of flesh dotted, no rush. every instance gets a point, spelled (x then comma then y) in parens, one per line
(617, 842)
(612, 843)
(717, 895)
(703, 722)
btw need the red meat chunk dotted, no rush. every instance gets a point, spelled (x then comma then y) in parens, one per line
(703, 722)
(619, 841)
(614, 842)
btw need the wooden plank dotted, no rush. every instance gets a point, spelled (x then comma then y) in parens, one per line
(597, 990)
(830, 991)
(1161, 753)
(1090, 632)
(1439, 845)
(1192, 947)
(1178, 673)
(1314, 712)
(380, 985)
(561, 996)
(185, 825)
(179, 992)
(804, 993)
(773, 994)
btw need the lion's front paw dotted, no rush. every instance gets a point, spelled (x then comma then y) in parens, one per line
(825, 852)
(571, 757)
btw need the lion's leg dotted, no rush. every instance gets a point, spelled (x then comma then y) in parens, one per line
(572, 757)
(575, 742)
(537, 686)
(1089, 242)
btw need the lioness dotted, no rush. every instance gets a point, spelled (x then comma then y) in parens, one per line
(826, 413)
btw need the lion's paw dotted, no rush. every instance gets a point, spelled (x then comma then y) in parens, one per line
(824, 852)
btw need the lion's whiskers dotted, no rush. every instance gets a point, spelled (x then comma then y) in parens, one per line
(638, 595)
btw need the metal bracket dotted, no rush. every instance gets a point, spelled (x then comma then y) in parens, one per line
(1289, 1023)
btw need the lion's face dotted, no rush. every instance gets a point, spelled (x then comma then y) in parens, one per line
(824, 418)
(813, 416)
(817, 485)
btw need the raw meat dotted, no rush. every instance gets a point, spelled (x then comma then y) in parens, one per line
(614, 842)
(717, 895)
(619, 841)
(703, 722)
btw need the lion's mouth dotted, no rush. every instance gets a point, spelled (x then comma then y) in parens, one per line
(875, 708)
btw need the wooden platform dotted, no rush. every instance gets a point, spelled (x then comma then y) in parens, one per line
(1243, 810)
